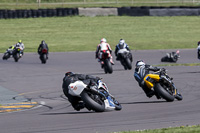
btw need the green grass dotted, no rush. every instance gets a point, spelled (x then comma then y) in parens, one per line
(32, 4)
(176, 64)
(182, 129)
(83, 33)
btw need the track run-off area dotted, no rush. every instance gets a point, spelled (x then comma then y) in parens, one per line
(30, 82)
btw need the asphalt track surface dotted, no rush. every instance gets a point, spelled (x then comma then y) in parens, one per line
(54, 114)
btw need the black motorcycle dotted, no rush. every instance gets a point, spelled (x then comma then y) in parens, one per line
(43, 56)
(17, 53)
(171, 57)
(125, 57)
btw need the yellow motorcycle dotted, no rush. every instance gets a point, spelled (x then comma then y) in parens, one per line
(162, 85)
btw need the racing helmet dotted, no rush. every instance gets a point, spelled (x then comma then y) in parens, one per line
(42, 42)
(121, 41)
(20, 41)
(103, 40)
(139, 63)
(69, 73)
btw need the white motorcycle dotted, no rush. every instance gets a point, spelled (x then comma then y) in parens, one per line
(95, 98)
(124, 56)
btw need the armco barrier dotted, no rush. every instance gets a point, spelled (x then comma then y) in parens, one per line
(133, 11)
(8, 14)
(128, 11)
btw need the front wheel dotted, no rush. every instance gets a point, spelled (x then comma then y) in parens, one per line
(93, 101)
(169, 97)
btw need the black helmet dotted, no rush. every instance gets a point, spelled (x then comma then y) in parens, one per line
(42, 42)
(69, 73)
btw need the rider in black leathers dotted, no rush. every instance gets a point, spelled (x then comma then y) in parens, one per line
(42, 46)
(71, 77)
(122, 45)
(141, 71)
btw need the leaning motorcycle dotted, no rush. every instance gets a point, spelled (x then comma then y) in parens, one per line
(124, 56)
(105, 60)
(95, 98)
(43, 56)
(171, 57)
(198, 52)
(162, 85)
(17, 53)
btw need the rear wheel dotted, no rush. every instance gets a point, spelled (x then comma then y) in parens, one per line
(167, 95)
(107, 66)
(43, 58)
(93, 101)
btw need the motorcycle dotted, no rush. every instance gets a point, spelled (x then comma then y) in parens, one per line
(162, 85)
(95, 98)
(171, 57)
(105, 61)
(198, 52)
(43, 56)
(17, 53)
(124, 56)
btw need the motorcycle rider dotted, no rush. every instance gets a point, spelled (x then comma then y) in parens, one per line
(42, 46)
(122, 45)
(21, 46)
(141, 71)
(71, 77)
(198, 50)
(103, 46)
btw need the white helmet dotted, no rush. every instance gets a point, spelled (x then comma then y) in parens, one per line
(103, 40)
(121, 41)
(139, 63)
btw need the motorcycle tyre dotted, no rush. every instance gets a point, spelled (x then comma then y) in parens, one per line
(91, 104)
(6, 56)
(43, 58)
(16, 57)
(107, 66)
(163, 93)
(117, 105)
(128, 63)
(164, 59)
(179, 97)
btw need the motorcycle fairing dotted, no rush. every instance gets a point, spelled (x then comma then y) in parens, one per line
(149, 79)
(76, 88)
(109, 104)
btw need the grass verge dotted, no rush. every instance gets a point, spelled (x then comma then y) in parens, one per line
(182, 129)
(175, 64)
(84, 33)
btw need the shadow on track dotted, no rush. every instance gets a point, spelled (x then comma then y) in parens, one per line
(68, 113)
(145, 102)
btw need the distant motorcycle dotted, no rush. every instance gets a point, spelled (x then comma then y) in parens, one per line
(17, 53)
(105, 61)
(171, 57)
(97, 99)
(8, 53)
(124, 56)
(162, 85)
(43, 56)
(198, 52)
